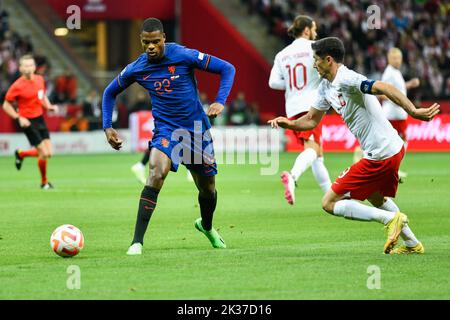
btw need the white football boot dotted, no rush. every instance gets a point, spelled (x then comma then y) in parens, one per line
(135, 249)
(139, 171)
(289, 187)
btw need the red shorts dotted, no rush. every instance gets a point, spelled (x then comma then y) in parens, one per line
(400, 126)
(301, 136)
(366, 177)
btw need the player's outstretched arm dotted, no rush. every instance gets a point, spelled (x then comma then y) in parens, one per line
(108, 102)
(395, 95)
(308, 122)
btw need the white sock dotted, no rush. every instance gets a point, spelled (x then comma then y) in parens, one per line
(407, 235)
(389, 205)
(303, 162)
(139, 166)
(351, 209)
(321, 175)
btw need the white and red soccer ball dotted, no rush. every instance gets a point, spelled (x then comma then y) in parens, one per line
(67, 240)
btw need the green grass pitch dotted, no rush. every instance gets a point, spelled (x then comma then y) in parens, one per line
(275, 251)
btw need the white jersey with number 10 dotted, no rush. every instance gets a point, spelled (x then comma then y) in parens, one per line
(293, 71)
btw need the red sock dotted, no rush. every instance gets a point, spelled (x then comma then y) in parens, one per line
(42, 164)
(28, 153)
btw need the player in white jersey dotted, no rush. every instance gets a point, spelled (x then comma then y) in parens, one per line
(293, 71)
(375, 177)
(395, 114)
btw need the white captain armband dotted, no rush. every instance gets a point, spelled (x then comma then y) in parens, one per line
(366, 86)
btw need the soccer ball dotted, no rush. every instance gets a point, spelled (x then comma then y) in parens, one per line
(67, 240)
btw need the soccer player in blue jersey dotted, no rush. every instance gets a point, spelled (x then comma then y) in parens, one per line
(166, 70)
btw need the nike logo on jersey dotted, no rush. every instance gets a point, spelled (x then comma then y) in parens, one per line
(146, 77)
(174, 77)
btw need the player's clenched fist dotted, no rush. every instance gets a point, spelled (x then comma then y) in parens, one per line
(24, 122)
(214, 109)
(113, 138)
(279, 122)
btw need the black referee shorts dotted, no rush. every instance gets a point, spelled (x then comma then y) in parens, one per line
(37, 131)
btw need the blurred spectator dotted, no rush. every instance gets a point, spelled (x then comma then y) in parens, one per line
(92, 110)
(66, 88)
(143, 102)
(401, 18)
(12, 68)
(239, 109)
(4, 23)
(74, 121)
(253, 114)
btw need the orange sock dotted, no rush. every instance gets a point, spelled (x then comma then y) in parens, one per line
(42, 164)
(28, 153)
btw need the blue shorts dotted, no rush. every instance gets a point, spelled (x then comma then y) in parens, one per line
(191, 151)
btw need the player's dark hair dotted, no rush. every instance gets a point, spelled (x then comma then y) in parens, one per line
(301, 22)
(152, 24)
(330, 46)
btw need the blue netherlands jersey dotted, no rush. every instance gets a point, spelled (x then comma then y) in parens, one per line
(171, 85)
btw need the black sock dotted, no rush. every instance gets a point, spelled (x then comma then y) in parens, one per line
(147, 204)
(207, 207)
(145, 158)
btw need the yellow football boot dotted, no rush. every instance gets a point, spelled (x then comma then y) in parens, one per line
(393, 229)
(418, 248)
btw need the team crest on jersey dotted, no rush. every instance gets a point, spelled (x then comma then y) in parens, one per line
(341, 100)
(165, 142)
(171, 69)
